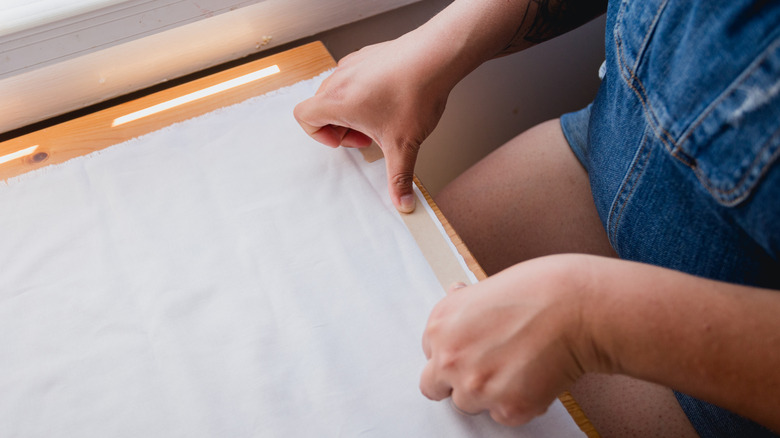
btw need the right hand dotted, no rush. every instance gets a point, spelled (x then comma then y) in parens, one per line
(511, 343)
(387, 93)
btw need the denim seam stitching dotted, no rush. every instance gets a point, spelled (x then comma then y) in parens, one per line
(647, 107)
(672, 145)
(716, 192)
(628, 180)
(738, 81)
(651, 30)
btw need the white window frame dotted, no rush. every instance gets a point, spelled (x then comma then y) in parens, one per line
(60, 59)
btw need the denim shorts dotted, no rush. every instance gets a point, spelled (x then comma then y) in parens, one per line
(681, 146)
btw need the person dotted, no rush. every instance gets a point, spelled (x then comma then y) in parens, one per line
(633, 245)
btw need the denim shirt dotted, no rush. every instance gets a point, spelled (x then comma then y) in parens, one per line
(681, 145)
(684, 137)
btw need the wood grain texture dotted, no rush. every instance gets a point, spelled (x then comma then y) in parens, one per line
(578, 415)
(59, 68)
(471, 262)
(94, 132)
(566, 398)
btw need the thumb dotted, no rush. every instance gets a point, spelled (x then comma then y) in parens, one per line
(400, 175)
(456, 286)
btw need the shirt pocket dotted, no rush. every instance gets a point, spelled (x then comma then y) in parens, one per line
(707, 75)
(735, 141)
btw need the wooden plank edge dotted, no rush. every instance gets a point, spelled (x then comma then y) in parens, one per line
(95, 131)
(463, 250)
(579, 417)
(568, 401)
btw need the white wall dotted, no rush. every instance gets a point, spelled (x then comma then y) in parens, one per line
(497, 101)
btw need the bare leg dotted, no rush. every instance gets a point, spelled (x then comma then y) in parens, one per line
(530, 198)
(620, 406)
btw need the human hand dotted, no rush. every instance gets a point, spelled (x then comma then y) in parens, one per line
(509, 344)
(388, 93)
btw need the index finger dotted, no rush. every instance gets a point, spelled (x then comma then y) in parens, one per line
(314, 117)
(432, 385)
(304, 114)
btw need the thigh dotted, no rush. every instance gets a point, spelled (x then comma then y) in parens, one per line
(621, 406)
(529, 198)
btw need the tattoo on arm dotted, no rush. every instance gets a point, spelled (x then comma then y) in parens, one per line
(545, 19)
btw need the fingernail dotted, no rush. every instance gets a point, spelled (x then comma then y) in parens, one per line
(407, 203)
(457, 285)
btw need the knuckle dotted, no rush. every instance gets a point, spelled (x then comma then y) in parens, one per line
(447, 360)
(425, 391)
(324, 84)
(432, 331)
(509, 415)
(402, 179)
(474, 383)
(299, 110)
(347, 59)
(335, 91)
(428, 393)
(439, 313)
(408, 148)
(402, 142)
(515, 413)
(435, 326)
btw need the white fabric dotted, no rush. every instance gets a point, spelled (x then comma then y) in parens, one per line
(223, 277)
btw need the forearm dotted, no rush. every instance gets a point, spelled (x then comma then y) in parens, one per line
(470, 32)
(716, 341)
(546, 19)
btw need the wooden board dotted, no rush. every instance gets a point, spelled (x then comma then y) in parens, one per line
(566, 398)
(52, 68)
(94, 132)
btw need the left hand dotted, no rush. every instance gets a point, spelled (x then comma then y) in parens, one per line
(392, 93)
(509, 344)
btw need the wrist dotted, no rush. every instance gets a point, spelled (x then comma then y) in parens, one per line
(460, 38)
(434, 63)
(589, 343)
